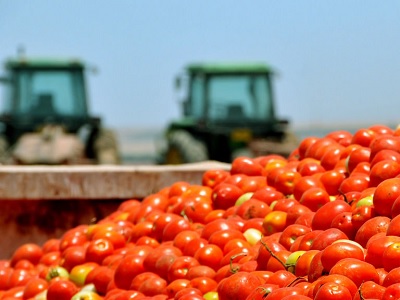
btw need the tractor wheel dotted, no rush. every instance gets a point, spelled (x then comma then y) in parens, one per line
(4, 155)
(184, 148)
(106, 149)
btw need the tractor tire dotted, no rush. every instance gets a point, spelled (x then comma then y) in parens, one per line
(106, 148)
(4, 150)
(184, 148)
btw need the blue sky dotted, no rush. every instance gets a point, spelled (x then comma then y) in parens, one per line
(338, 61)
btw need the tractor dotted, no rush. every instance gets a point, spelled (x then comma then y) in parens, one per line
(228, 110)
(45, 117)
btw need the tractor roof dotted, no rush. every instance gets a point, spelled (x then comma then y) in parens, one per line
(219, 68)
(38, 62)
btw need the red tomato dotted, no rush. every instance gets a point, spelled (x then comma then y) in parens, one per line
(100, 276)
(210, 255)
(184, 237)
(326, 238)
(314, 198)
(30, 252)
(267, 195)
(212, 178)
(238, 286)
(140, 278)
(385, 195)
(220, 238)
(309, 166)
(339, 250)
(332, 290)
(225, 195)
(370, 228)
(245, 165)
(356, 183)
(392, 292)
(98, 250)
(356, 270)
(291, 233)
(200, 271)
(61, 290)
(217, 225)
(383, 170)
(363, 137)
(154, 286)
(34, 286)
(324, 216)
(204, 284)
(370, 289)
(281, 293)
(129, 267)
(286, 181)
(384, 142)
(253, 208)
(275, 221)
(343, 222)
(357, 156)
(331, 180)
(73, 256)
(303, 263)
(180, 267)
(294, 212)
(304, 184)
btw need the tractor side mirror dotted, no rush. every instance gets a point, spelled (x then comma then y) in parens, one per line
(178, 82)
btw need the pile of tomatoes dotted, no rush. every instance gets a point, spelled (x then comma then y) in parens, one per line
(323, 223)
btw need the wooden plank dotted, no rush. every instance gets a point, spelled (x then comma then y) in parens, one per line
(96, 182)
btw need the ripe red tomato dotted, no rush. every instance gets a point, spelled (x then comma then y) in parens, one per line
(385, 195)
(309, 166)
(212, 178)
(384, 142)
(370, 289)
(291, 233)
(331, 180)
(267, 195)
(363, 137)
(210, 255)
(34, 286)
(339, 250)
(98, 250)
(356, 270)
(253, 208)
(217, 225)
(314, 198)
(326, 238)
(343, 222)
(238, 286)
(356, 183)
(154, 286)
(247, 166)
(304, 184)
(392, 292)
(371, 227)
(29, 251)
(225, 195)
(129, 267)
(61, 290)
(324, 216)
(383, 170)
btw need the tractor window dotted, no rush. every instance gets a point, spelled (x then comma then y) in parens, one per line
(197, 97)
(57, 91)
(239, 97)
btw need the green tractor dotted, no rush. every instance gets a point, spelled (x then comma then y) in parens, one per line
(228, 111)
(45, 117)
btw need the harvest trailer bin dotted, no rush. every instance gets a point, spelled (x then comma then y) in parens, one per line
(42, 202)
